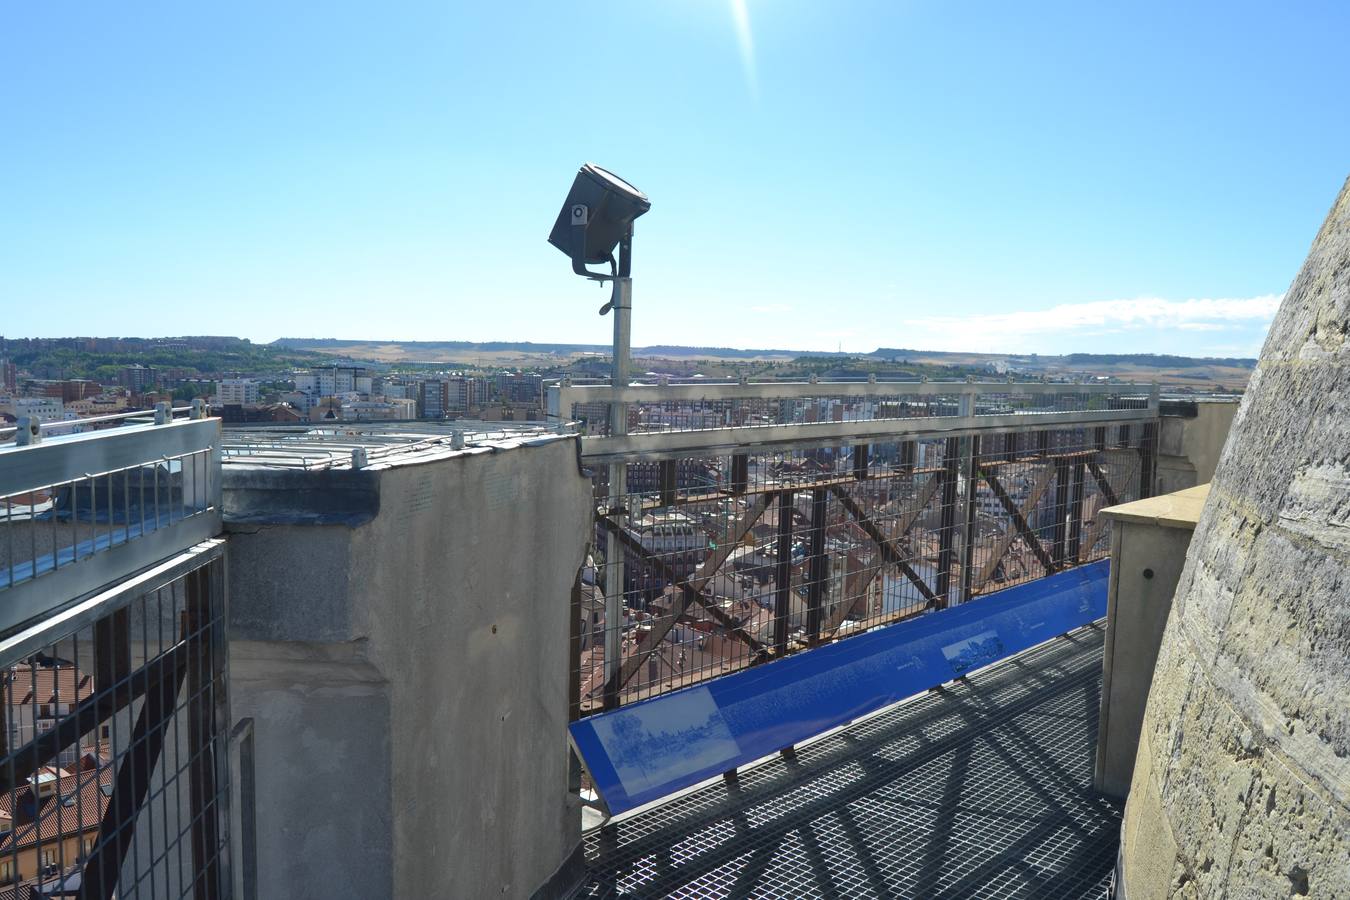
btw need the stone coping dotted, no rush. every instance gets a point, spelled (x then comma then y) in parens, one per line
(1180, 509)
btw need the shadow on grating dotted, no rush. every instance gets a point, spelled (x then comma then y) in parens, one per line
(980, 789)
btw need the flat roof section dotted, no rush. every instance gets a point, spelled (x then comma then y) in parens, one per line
(982, 788)
(322, 446)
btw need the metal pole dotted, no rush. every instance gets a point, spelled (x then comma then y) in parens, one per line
(618, 425)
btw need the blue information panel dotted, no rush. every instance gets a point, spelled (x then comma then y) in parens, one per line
(655, 747)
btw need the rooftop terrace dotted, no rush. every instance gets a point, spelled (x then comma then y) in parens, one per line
(372, 640)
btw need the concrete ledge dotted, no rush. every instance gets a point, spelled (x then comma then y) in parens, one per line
(1177, 510)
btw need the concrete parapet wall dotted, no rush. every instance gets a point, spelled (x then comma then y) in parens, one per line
(1241, 785)
(1149, 539)
(399, 635)
(1189, 446)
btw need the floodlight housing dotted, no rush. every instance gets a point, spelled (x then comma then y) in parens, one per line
(597, 215)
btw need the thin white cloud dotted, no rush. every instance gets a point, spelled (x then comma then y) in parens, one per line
(1012, 331)
(771, 308)
(740, 17)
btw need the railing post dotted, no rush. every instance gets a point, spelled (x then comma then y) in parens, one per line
(670, 484)
(951, 468)
(861, 458)
(907, 456)
(969, 463)
(1057, 552)
(782, 576)
(740, 473)
(819, 566)
(204, 677)
(1076, 511)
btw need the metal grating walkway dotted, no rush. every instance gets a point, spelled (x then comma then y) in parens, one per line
(980, 789)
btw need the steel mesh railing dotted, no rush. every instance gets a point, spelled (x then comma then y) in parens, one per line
(113, 777)
(729, 560)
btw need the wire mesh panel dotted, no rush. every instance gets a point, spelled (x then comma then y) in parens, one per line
(113, 776)
(725, 561)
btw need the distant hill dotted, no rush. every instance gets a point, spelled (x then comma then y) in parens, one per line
(1200, 373)
(1148, 360)
(455, 350)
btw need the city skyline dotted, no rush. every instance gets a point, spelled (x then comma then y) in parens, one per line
(940, 178)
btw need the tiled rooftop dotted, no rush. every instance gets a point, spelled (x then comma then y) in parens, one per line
(980, 789)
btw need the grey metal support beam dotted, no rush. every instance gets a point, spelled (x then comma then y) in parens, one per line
(740, 473)
(819, 565)
(1059, 532)
(112, 652)
(205, 676)
(1075, 510)
(782, 577)
(861, 457)
(969, 461)
(951, 468)
(670, 481)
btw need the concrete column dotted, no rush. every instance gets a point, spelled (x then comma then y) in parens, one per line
(399, 634)
(1149, 539)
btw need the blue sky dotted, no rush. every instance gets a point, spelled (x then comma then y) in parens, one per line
(1041, 176)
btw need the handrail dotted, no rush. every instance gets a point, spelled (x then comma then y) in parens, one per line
(91, 420)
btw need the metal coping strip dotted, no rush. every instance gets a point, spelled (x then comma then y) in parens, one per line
(71, 457)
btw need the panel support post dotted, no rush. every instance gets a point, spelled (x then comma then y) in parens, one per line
(670, 483)
(740, 473)
(861, 455)
(951, 468)
(205, 680)
(969, 461)
(1057, 553)
(819, 565)
(782, 574)
(1076, 510)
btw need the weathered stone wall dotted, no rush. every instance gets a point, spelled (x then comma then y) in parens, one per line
(1242, 782)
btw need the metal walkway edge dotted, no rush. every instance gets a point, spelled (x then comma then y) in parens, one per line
(980, 789)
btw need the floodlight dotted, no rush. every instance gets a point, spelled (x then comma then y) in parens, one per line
(597, 215)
